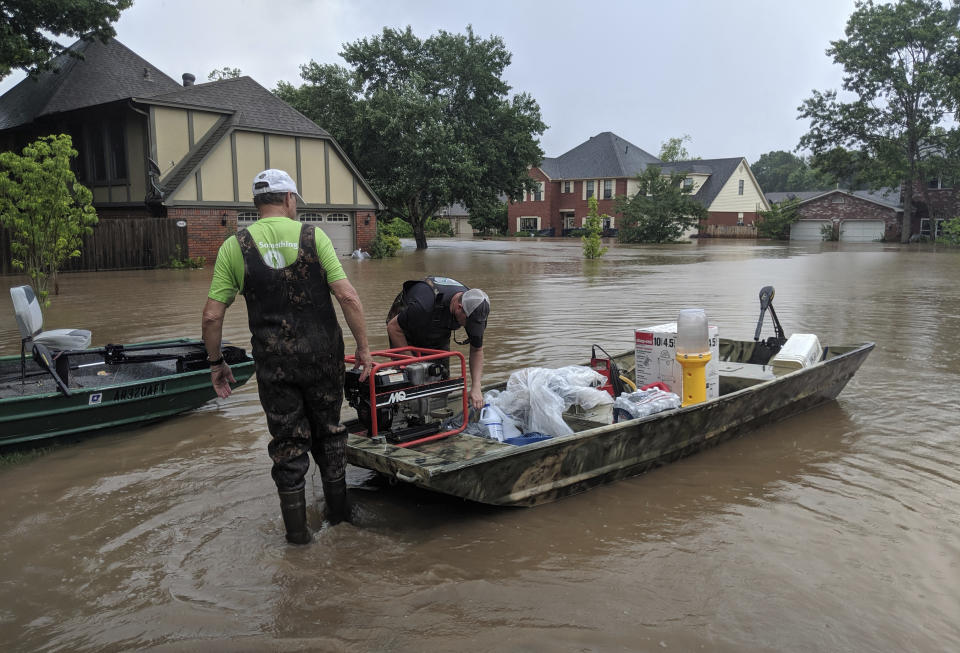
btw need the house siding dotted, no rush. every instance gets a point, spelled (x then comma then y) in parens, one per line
(729, 200)
(312, 161)
(170, 131)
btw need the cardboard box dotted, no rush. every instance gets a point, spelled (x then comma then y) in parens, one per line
(656, 358)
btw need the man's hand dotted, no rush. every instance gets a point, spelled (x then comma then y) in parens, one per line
(222, 376)
(476, 398)
(363, 359)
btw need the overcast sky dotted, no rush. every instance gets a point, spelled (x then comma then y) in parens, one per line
(729, 74)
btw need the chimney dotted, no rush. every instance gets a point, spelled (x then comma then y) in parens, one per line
(188, 79)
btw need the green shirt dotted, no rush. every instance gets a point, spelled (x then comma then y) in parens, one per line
(278, 239)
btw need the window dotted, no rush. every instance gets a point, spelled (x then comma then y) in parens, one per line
(310, 217)
(538, 193)
(528, 224)
(925, 228)
(566, 187)
(246, 218)
(740, 217)
(837, 199)
(589, 189)
(688, 184)
(104, 149)
(338, 217)
(740, 190)
(607, 189)
(607, 222)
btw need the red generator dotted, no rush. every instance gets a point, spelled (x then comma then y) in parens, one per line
(405, 400)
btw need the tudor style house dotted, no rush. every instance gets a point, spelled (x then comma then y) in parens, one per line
(605, 166)
(150, 147)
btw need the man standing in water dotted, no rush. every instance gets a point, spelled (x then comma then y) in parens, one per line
(287, 271)
(426, 313)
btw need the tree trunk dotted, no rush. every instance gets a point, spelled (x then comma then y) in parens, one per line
(418, 222)
(907, 212)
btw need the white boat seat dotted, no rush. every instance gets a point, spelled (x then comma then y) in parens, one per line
(30, 322)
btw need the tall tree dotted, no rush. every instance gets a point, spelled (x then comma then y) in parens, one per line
(429, 122)
(223, 73)
(896, 60)
(660, 211)
(28, 25)
(784, 171)
(44, 207)
(673, 149)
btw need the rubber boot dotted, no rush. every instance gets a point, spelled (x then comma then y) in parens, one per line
(293, 505)
(335, 496)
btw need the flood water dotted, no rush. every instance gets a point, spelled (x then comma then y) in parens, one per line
(836, 530)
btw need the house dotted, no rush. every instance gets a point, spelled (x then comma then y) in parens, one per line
(458, 216)
(606, 165)
(151, 147)
(853, 216)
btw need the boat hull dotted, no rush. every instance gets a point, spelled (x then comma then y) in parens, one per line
(50, 414)
(601, 453)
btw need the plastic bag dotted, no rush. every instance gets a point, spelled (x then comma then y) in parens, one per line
(536, 397)
(641, 403)
(510, 427)
(359, 254)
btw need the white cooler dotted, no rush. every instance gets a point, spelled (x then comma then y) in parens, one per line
(801, 350)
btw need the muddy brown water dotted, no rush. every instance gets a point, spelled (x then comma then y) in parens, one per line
(836, 530)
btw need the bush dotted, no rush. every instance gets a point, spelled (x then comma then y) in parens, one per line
(951, 232)
(827, 232)
(397, 227)
(524, 234)
(384, 245)
(776, 222)
(179, 262)
(436, 228)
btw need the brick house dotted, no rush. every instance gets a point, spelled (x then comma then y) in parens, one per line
(853, 216)
(605, 166)
(149, 146)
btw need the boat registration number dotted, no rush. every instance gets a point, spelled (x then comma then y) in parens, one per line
(140, 391)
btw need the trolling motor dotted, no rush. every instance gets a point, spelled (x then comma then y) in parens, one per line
(764, 350)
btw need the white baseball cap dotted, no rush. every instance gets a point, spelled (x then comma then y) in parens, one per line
(274, 181)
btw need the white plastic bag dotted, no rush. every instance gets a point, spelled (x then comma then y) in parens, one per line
(510, 428)
(536, 397)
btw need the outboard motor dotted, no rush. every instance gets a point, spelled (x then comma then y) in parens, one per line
(764, 350)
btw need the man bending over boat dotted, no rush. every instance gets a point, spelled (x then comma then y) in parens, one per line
(287, 271)
(427, 312)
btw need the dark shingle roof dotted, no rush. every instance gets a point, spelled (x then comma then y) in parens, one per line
(107, 72)
(889, 197)
(718, 169)
(255, 107)
(197, 155)
(603, 155)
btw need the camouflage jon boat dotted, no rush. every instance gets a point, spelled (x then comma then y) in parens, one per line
(116, 385)
(486, 471)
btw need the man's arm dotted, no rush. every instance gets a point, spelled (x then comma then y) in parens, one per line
(476, 377)
(349, 300)
(212, 328)
(395, 333)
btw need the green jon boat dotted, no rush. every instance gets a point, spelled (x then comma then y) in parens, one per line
(59, 386)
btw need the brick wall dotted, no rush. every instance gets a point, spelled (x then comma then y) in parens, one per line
(207, 228)
(555, 201)
(365, 224)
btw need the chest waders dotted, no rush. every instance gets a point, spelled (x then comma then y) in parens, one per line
(438, 334)
(298, 353)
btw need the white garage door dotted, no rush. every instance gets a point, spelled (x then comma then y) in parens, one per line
(861, 231)
(807, 229)
(337, 226)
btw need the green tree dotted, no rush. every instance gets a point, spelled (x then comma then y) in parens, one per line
(28, 27)
(660, 211)
(428, 121)
(489, 217)
(897, 60)
(593, 227)
(44, 207)
(779, 171)
(673, 149)
(776, 222)
(223, 73)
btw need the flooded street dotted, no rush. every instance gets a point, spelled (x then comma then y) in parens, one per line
(836, 530)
